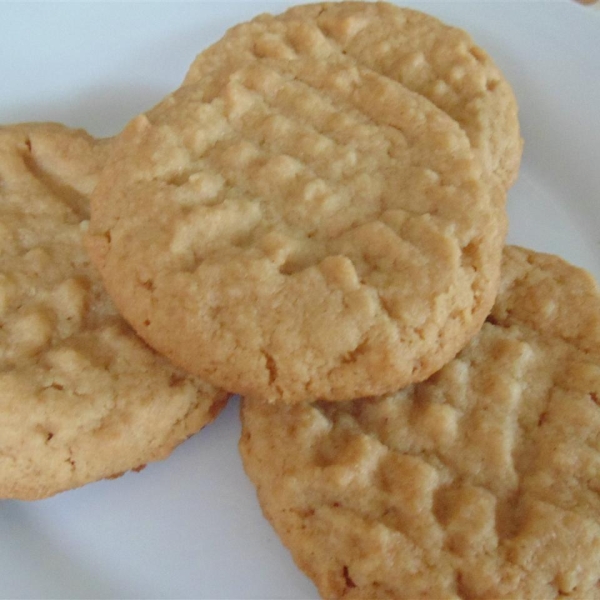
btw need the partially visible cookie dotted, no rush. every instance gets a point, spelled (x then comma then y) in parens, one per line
(81, 396)
(482, 482)
(441, 62)
(298, 229)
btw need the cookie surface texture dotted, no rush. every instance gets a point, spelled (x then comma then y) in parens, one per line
(295, 229)
(482, 482)
(441, 62)
(81, 396)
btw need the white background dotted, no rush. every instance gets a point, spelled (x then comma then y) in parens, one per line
(190, 527)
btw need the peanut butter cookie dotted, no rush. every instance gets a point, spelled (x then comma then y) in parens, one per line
(81, 396)
(297, 229)
(482, 482)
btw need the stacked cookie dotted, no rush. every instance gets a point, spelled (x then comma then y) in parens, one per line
(315, 220)
(295, 223)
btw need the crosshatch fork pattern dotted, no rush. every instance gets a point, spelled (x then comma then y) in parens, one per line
(328, 184)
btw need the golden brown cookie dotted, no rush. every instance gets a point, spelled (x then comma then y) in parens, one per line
(482, 482)
(81, 396)
(441, 62)
(297, 229)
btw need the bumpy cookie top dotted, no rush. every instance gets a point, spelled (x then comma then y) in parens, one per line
(429, 57)
(81, 396)
(296, 230)
(482, 482)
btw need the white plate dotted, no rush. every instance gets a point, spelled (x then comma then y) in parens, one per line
(190, 527)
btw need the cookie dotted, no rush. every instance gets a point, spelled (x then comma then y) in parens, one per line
(81, 396)
(296, 229)
(441, 62)
(482, 482)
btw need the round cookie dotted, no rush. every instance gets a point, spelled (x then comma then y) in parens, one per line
(81, 396)
(295, 229)
(482, 482)
(429, 57)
